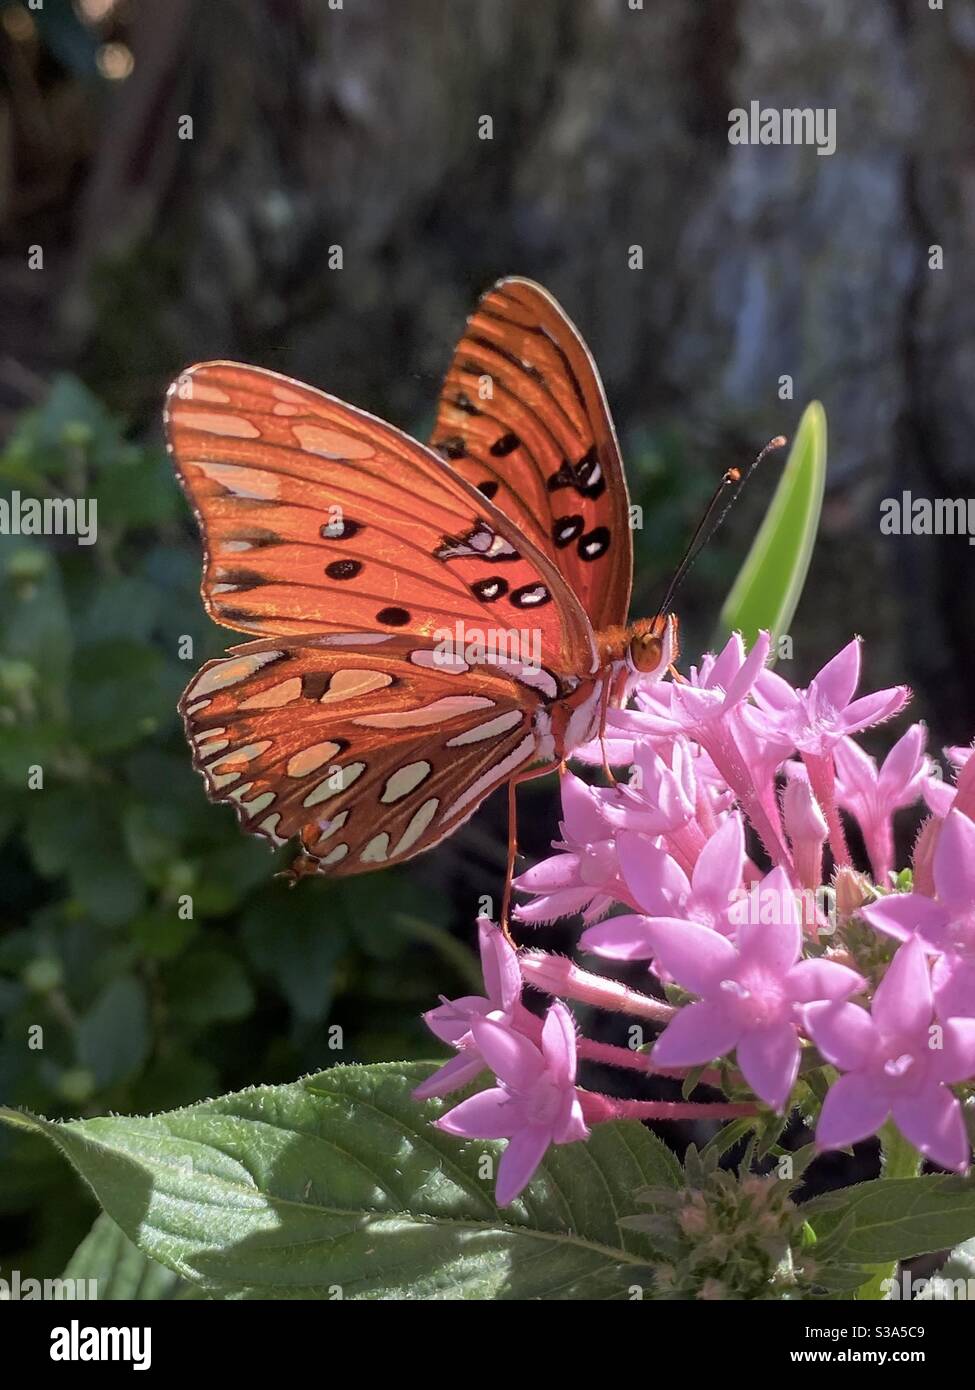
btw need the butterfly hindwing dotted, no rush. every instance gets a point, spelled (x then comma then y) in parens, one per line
(523, 417)
(368, 750)
(318, 518)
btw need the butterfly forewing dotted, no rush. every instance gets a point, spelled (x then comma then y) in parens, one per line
(369, 750)
(524, 418)
(320, 518)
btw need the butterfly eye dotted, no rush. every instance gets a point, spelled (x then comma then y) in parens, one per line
(646, 651)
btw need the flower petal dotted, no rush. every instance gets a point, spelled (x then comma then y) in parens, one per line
(559, 1043)
(488, 1115)
(953, 980)
(769, 1061)
(697, 957)
(822, 979)
(840, 677)
(698, 1033)
(955, 1061)
(512, 1058)
(745, 678)
(932, 1121)
(776, 942)
(902, 766)
(619, 938)
(854, 1108)
(524, 1153)
(954, 861)
(903, 1002)
(655, 879)
(453, 1075)
(499, 966)
(550, 875)
(844, 1033)
(717, 872)
(873, 709)
(902, 914)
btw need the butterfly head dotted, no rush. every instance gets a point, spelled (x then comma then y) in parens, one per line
(653, 645)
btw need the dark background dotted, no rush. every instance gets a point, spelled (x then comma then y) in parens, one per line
(315, 127)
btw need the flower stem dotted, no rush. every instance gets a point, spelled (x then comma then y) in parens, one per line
(612, 1056)
(598, 1108)
(899, 1159)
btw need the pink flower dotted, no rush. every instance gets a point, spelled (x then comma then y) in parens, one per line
(535, 1103)
(944, 925)
(873, 796)
(664, 892)
(453, 1019)
(897, 1062)
(815, 719)
(585, 876)
(748, 992)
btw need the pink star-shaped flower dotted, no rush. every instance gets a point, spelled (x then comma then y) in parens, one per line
(945, 925)
(896, 1061)
(748, 991)
(452, 1020)
(535, 1103)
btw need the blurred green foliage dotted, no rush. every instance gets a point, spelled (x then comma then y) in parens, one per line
(141, 1008)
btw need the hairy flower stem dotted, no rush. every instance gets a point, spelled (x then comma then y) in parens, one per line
(612, 1056)
(598, 1108)
(822, 779)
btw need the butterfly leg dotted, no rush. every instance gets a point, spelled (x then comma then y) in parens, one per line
(603, 715)
(513, 839)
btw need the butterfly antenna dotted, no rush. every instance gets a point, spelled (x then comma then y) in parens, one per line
(728, 488)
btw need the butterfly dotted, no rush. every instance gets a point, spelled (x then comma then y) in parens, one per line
(432, 622)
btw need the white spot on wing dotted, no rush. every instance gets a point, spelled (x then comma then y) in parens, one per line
(491, 729)
(436, 713)
(210, 422)
(240, 480)
(311, 759)
(404, 780)
(418, 824)
(332, 785)
(229, 672)
(375, 851)
(284, 693)
(331, 444)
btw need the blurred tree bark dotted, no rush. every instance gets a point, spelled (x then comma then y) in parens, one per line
(316, 127)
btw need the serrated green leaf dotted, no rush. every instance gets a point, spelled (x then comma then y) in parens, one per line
(895, 1218)
(769, 584)
(338, 1186)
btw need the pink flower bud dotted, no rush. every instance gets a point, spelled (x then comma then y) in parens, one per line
(922, 855)
(806, 827)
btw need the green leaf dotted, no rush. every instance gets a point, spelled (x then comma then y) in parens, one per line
(896, 1218)
(113, 1036)
(338, 1186)
(120, 1270)
(769, 584)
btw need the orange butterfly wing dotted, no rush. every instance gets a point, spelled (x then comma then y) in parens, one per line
(370, 750)
(542, 444)
(320, 518)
